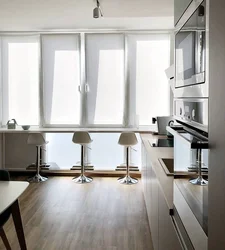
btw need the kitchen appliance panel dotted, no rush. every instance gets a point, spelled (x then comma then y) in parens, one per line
(190, 48)
(191, 64)
(193, 112)
(187, 145)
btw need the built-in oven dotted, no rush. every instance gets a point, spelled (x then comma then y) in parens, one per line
(190, 67)
(191, 161)
(191, 154)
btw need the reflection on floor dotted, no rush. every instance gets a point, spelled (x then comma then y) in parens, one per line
(103, 215)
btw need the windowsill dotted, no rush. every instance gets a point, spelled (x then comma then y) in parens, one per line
(141, 129)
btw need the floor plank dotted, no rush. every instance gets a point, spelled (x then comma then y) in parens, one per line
(102, 215)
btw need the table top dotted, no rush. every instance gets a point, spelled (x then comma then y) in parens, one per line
(10, 191)
(35, 129)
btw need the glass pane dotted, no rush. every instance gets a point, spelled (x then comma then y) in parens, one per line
(61, 151)
(148, 57)
(61, 79)
(20, 79)
(105, 76)
(106, 153)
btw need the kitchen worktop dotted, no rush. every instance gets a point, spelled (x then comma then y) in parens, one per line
(36, 129)
(158, 152)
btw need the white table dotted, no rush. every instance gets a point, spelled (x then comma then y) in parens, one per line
(10, 191)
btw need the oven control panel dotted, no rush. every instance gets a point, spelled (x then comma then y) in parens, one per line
(192, 111)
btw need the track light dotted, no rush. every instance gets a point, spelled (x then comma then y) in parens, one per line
(97, 12)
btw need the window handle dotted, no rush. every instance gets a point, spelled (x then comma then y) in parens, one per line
(79, 88)
(87, 89)
(133, 149)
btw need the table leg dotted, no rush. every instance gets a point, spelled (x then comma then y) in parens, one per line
(18, 224)
(4, 239)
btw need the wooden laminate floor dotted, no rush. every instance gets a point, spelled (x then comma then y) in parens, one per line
(102, 215)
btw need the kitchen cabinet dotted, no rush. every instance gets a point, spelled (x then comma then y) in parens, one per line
(144, 169)
(150, 189)
(179, 7)
(154, 210)
(168, 237)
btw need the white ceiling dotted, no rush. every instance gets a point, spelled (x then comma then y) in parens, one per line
(77, 14)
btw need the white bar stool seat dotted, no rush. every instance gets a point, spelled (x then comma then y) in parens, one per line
(82, 138)
(127, 139)
(38, 140)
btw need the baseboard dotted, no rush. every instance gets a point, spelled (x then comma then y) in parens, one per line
(97, 173)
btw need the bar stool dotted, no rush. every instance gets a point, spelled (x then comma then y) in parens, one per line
(38, 140)
(82, 138)
(127, 139)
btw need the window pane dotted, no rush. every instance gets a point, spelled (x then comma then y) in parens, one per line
(148, 57)
(106, 153)
(61, 151)
(20, 79)
(105, 76)
(61, 78)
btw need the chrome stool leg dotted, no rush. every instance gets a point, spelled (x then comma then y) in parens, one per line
(82, 178)
(199, 180)
(38, 178)
(127, 180)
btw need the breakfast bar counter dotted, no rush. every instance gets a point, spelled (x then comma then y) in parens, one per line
(36, 129)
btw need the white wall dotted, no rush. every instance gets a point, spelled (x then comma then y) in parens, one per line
(74, 14)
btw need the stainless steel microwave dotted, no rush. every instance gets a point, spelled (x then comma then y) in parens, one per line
(191, 53)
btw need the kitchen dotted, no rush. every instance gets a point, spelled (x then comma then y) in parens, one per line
(181, 184)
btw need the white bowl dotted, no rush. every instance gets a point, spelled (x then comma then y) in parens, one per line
(25, 127)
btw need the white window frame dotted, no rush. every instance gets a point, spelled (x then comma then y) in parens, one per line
(82, 51)
(86, 124)
(131, 113)
(14, 34)
(43, 122)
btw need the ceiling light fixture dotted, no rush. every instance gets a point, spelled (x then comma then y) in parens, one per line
(97, 12)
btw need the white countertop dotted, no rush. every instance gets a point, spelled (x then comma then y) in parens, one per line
(10, 191)
(35, 129)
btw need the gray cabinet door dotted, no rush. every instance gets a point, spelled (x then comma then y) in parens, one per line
(168, 238)
(179, 7)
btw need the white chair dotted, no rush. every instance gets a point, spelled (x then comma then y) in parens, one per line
(82, 138)
(38, 140)
(127, 139)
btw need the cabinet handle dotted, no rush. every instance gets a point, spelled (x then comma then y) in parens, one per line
(87, 89)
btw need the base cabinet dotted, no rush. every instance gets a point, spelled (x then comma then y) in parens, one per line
(154, 209)
(164, 235)
(168, 238)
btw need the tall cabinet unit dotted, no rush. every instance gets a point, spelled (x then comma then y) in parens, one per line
(216, 196)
